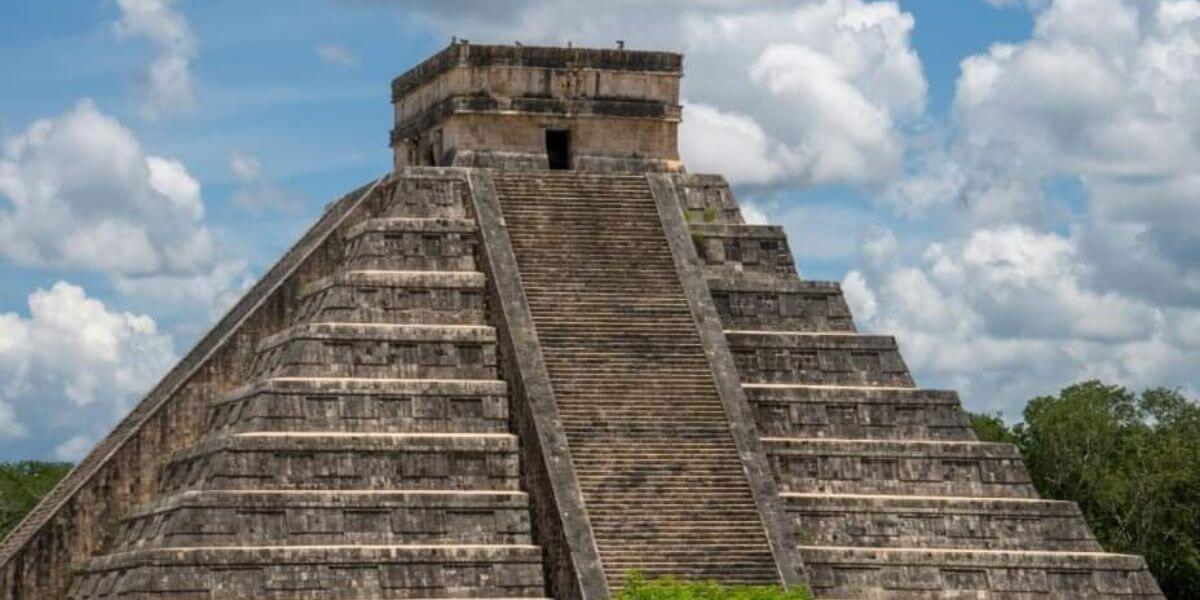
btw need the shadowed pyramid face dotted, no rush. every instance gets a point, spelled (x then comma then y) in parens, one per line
(531, 108)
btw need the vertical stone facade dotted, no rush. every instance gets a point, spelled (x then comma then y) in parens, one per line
(492, 106)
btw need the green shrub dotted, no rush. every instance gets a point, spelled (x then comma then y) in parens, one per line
(638, 587)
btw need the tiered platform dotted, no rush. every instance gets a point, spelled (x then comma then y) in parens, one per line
(890, 492)
(370, 455)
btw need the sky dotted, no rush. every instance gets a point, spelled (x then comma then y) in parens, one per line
(1011, 187)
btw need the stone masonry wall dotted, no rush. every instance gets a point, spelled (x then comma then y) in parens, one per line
(79, 518)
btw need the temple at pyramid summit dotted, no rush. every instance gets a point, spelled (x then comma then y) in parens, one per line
(535, 357)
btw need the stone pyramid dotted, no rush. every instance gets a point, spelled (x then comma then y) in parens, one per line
(536, 357)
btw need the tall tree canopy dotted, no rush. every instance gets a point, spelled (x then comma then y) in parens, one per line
(1132, 462)
(22, 484)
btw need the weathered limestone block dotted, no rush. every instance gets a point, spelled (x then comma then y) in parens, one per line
(707, 199)
(426, 194)
(1023, 575)
(364, 405)
(929, 522)
(857, 413)
(490, 106)
(315, 573)
(380, 351)
(330, 461)
(821, 359)
(408, 244)
(771, 302)
(899, 468)
(732, 249)
(427, 297)
(210, 519)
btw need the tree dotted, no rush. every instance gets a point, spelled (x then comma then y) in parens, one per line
(1131, 462)
(22, 484)
(991, 428)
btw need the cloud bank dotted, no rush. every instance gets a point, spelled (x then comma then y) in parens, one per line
(72, 367)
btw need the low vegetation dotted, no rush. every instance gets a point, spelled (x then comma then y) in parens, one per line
(22, 484)
(1131, 461)
(638, 587)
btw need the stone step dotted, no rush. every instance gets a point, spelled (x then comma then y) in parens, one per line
(858, 412)
(377, 350)
(212, 519)
(609, 199)
(408, 332)
(923, 573)
(552, 307)
(712, 500)
(639, 432)
(331, 461)
(420, 225)
(610, 322)
(939, 522)
(426, 297)
(590, 191)
(412, 244)
(347, 572)
(756, 571)
(818, 359)
(757, 301)
(573, 180)
(422, 280)
(898, 468)
(364, 405)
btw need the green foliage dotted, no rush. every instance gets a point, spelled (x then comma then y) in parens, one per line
(710, 215)
(1131, 462)
(22, 484)
(637, 587)
(991, 428)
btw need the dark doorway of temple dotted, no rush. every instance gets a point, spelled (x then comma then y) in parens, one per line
(558, 148)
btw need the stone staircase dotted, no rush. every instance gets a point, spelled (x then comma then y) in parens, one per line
(891, 494)
(369, 457)
(661, 478)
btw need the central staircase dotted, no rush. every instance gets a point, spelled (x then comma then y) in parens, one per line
(662, 482)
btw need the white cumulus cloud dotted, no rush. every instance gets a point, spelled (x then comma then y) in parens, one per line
(81, 192)
(78, 192)
(1008, 312)
(72, 367)
(1036, 283)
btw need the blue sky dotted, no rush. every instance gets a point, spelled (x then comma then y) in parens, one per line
(1005, 185)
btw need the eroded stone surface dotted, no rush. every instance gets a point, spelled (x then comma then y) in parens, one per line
(890, 492)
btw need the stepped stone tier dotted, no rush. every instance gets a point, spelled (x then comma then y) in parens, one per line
(536, 361)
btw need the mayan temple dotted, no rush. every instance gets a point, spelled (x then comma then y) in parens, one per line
(534, 357)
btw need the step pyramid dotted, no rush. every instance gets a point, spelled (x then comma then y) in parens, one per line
(492, 380)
